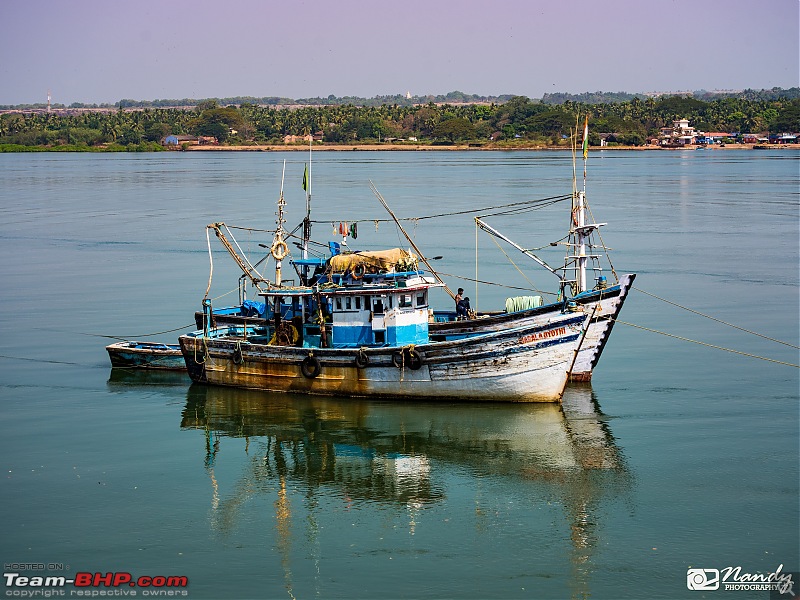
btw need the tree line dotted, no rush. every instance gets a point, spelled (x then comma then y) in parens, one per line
(516, 121)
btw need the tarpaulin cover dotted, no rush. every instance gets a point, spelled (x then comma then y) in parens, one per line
(392, 260)
(251, 308)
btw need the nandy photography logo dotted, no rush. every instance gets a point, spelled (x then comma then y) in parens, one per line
(734, 578)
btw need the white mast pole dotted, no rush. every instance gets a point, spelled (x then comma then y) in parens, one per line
(279, 241)
(580, 274)
(307, 224)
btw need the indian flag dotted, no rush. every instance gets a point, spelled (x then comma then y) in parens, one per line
(586, 139)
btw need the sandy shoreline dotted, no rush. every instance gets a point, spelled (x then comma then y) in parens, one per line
(428, 148)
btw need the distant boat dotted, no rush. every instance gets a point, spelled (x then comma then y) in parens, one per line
(146, 355)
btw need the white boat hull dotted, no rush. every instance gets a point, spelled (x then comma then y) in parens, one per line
(601, 306)
(523, 364)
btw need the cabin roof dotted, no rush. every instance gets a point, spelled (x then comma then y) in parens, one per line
(410, 284)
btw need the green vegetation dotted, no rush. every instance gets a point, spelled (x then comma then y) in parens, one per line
(511, 122)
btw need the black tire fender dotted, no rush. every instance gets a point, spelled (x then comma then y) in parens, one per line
(310, 367)
(362, 360)
(398, 360)
(414, 359)
(237, 357)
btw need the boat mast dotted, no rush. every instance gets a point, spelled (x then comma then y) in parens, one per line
(279, 249)
(307, 188)
(580, 219)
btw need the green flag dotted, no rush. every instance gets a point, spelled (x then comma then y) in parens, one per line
(586, 138)
(305, 178)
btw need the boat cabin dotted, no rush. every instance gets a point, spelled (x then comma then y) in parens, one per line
(381, 315)
(393, 312)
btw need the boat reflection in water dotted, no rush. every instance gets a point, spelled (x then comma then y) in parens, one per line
(404, 454)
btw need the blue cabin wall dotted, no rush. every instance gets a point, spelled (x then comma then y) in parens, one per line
(404, 316)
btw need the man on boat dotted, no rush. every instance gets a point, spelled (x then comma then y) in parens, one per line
(463, 308)
(459, 297)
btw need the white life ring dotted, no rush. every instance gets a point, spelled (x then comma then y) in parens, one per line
(279, 250)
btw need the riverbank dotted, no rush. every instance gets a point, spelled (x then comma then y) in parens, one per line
(321, 147)
(427, 148)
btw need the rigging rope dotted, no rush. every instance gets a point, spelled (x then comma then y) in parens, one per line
(514, 208)
(708, 345)
(717, 320)
(533, 286)
(602, 243)
(510, 287)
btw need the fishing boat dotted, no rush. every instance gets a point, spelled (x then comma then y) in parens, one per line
(583, 286)
(376, 344)
(146, 355)
(362, 329)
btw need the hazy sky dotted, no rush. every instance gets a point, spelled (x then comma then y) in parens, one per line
(100, 51)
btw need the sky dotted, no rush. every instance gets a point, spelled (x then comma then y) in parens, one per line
(102, 51)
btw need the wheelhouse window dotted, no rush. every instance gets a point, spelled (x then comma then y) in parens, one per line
(422, 299)
(404, 300)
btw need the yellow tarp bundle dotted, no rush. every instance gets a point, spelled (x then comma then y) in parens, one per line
(389, 261)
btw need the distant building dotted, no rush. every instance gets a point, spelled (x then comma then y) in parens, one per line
(294, 139)
(177, 140)
(190, 140)
(783, 138)
(680, 134)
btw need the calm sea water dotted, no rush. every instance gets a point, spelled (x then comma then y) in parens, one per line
(677, 455)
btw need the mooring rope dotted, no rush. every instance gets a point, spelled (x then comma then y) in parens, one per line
(144, 335)
(780, 362)
(717, 320)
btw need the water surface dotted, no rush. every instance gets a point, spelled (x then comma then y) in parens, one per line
(677, 455)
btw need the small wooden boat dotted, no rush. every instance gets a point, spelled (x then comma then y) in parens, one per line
(146, 355)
